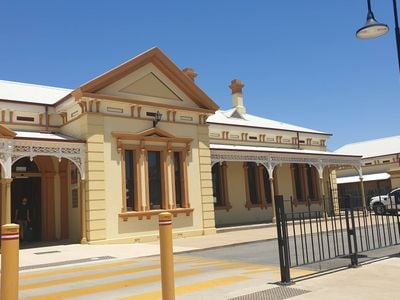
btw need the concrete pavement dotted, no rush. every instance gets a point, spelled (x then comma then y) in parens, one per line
(32, 257)
(371, 281)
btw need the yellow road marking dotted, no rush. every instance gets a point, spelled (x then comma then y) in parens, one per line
(191, 288)
(87, 277)
(187, 258)
(211, 264)
(108, 287)
(74, 269)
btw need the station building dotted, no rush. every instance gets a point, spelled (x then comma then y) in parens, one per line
(380, 165)
(98, 163)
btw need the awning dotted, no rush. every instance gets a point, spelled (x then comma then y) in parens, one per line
(370, 177)
(271, 157)
(279, 150)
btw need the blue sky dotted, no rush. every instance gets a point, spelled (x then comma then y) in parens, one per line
(299, 60)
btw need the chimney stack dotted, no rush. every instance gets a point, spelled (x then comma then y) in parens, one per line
(237, 95)
(190, 73)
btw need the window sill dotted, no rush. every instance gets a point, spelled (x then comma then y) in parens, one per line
(251, 205)
(223, 207)
(150, 213)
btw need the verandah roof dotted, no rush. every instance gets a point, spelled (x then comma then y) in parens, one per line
(271, 157)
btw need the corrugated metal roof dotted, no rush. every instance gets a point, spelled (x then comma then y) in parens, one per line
(229, 117)
(373, 148)
(271, 149)
(45, 136)
(25, 92)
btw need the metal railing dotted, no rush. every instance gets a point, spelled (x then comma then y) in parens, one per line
(313, 236)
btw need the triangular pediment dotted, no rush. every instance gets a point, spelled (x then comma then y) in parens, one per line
(151, 85)
(7, 133)
(149, 77)
(156, 132)
(153, 134)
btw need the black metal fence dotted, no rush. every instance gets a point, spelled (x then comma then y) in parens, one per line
(315, 236)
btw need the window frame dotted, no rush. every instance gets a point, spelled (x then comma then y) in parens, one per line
(154, 140)
(183, 180)
(223, 186)
(259, 186)
(309, 177)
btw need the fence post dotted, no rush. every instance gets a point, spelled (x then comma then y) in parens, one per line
(351, 233)
(166, 256)
(9, 261)
(283, 243)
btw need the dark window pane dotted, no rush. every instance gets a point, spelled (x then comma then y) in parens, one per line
(311, 183)
(129, 179)
(267, 186)
(252, 178)
(297, 182)
(178, 179)
(154, 170)
(216, 180)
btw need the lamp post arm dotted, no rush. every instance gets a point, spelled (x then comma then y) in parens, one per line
(397, 30)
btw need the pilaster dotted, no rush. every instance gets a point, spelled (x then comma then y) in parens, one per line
(94, 200)
(206, 181)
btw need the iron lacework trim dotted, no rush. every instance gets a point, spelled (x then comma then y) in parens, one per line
(13, 150)
(270, 159)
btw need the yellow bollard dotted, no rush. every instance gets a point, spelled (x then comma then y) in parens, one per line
(9, 261)
(166, 256)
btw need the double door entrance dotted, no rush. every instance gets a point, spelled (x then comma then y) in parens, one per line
(28, 187)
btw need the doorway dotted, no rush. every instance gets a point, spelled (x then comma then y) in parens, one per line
(30, 188)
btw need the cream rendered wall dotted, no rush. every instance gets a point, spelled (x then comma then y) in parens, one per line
(57, 199)
(239, 214)
(74, 215)
(206, 180)
(76, 128)
(90, 128)
(135, 229)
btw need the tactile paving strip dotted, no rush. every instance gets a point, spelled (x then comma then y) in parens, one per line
(277, 293)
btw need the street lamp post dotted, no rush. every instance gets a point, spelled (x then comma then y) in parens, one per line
(373, 28)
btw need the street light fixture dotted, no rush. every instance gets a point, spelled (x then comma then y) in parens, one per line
(373, 29)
